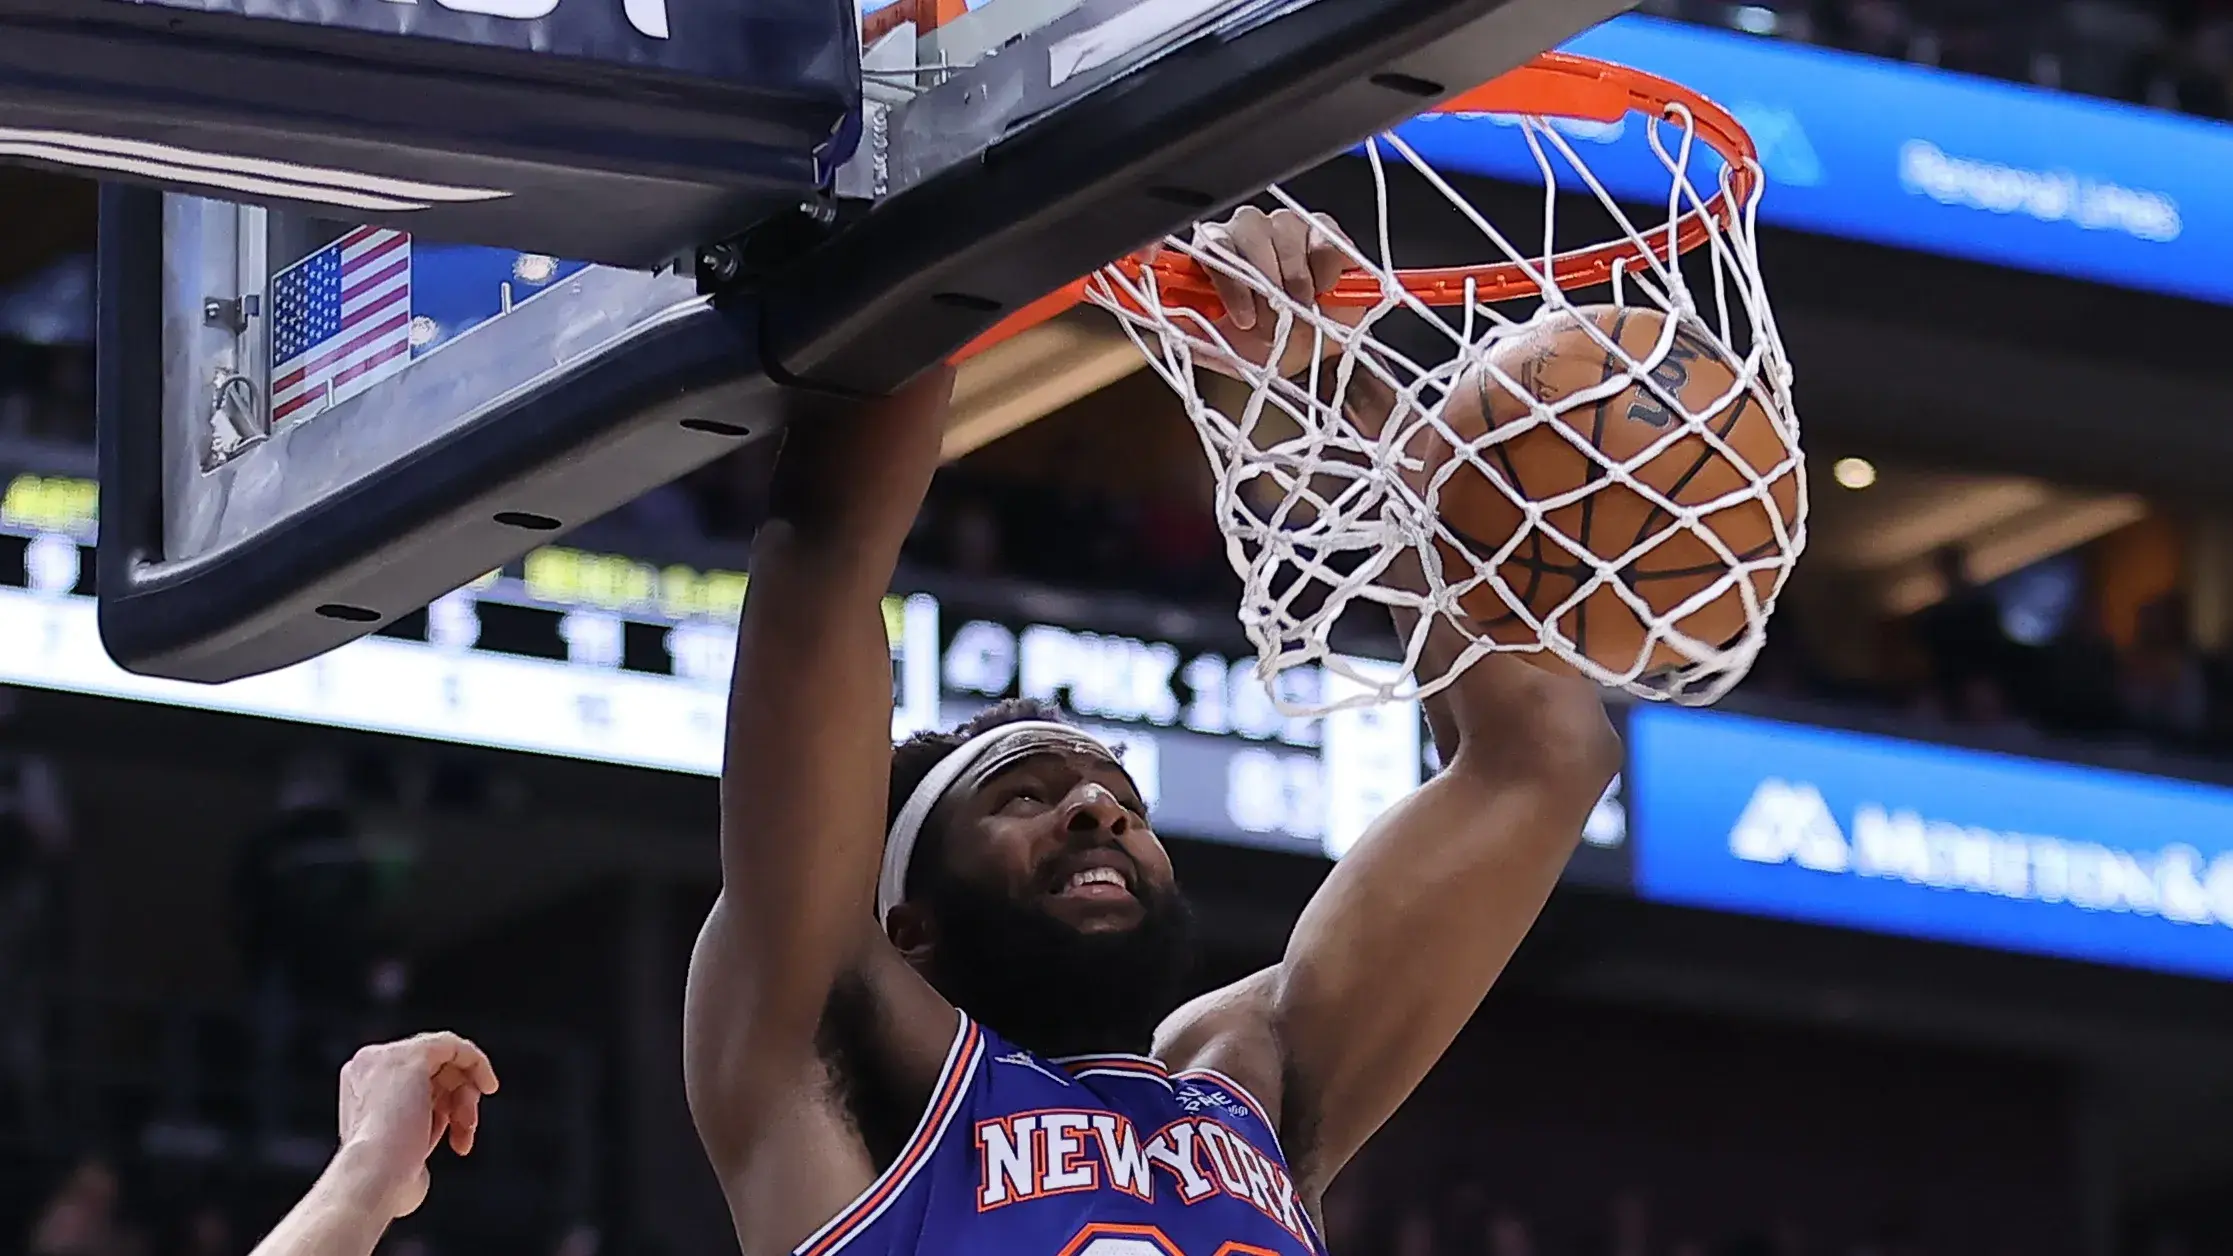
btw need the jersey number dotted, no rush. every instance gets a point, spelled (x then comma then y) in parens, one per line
(1104, 1238)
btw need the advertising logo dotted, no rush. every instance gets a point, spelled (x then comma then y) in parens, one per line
(1789, 823)
(2045, 195)
(1913, 158)
(1933, 842)
(1792, 823)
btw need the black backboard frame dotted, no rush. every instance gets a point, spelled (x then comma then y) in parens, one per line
(882, 300)
(607, 145)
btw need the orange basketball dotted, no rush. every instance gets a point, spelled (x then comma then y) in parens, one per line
(1553, 361)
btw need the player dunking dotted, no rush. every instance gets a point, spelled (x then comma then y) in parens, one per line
(1069, 1107)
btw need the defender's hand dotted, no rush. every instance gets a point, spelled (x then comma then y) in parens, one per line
(398, 1101)
(1303, 255)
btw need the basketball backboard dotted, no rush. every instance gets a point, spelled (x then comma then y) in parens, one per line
(620, 131)
(316, 420)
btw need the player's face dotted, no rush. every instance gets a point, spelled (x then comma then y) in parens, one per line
(1051, 913)
(1067, 835)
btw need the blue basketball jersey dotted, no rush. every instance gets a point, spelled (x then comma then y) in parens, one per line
(1021, 1155)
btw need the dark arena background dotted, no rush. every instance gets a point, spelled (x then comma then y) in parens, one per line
(1788, 1000)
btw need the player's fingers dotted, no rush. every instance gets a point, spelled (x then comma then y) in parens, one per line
(452, 1078)
(458, 1089)
(437, 1124)
(448, 1081)
(446, 1050)
(1261, 252)
(1327, 233)
(465, 1121)
(1232, 292)
(1251, 236)
(482, 1071)
(444, 1127)
(1290, 234)
(1328, 258)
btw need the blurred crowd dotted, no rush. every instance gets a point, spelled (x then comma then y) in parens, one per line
(94, 1210)
(1985, 663)
(2171, 54)
(152, 1124)
(1987, 660)
(88, 1213)
(46, 354)
(1469, 1227)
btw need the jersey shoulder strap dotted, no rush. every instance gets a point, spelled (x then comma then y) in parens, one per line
(1206, 1089)
(948, 1098)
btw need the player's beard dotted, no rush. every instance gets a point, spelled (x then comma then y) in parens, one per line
(1048, 987)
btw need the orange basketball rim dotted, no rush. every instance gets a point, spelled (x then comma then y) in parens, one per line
(1555, 85)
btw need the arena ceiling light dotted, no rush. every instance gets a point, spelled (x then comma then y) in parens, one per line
(2064, 522)
(1906, 518)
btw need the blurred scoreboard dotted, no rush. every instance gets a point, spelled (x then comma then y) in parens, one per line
(613, 659)
(1198, 730)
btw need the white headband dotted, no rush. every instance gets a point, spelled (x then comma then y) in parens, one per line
(1000, 742)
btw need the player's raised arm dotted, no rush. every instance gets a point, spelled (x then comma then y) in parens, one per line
(1397, 949)
(803, 786)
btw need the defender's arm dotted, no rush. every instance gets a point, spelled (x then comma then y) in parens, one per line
(399, 1101)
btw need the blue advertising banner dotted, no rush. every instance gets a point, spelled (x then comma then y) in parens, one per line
(1772, 819)
(1917, 158)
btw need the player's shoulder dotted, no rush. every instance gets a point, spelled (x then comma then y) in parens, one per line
(1225, 1043)
(1232, 1017)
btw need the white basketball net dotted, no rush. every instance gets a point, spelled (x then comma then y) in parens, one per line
(1317, 511)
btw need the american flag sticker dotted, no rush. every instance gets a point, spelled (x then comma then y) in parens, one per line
(340, 322)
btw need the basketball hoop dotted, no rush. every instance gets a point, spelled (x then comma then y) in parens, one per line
(1318, 509)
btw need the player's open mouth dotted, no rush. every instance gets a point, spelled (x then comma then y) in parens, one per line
(1101, 885)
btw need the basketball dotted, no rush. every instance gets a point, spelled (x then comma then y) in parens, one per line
(1553, 361)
